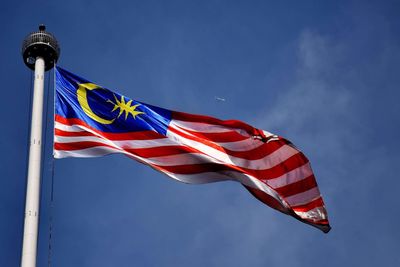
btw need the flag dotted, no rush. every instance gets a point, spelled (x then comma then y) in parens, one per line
(92, 121)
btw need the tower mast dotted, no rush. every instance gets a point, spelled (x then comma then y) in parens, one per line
(40, 51)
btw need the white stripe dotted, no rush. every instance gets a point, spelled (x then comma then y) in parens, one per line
(120, 143)
(293, 176)
(86, 153)
(68, 128)
(316, 214)
(304, 197)
(182, 159)
(67, 140)
(243, 145)
(268, 134)
(98, 151)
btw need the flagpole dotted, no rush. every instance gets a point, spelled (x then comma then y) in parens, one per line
(40, 51)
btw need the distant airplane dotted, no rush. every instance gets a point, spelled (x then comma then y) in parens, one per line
(220, 99)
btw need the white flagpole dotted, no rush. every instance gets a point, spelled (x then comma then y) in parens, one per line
(29, 246)
(40, 51)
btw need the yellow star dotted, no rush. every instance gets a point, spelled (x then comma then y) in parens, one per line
(125, 107)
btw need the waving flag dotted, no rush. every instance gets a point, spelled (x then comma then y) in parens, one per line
(92, 121)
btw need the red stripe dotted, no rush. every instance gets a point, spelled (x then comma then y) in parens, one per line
(297, 187)
(231, 136)
(72, 134)
(196, 168)
(257, 153)
(142, 135)
(78, 145)
(285, 166)
(161, 151)
(322, 222)
(142, 152)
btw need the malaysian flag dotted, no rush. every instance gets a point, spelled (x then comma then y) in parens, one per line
(92, 121)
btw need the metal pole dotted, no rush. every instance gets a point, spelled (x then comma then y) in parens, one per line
(29, 246)
(40, 51)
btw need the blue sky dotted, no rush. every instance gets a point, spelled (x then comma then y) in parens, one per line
(324, 74)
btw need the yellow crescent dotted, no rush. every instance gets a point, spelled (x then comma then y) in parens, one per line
(82, 99)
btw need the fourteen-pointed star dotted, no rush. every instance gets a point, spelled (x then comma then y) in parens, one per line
(125, 107)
